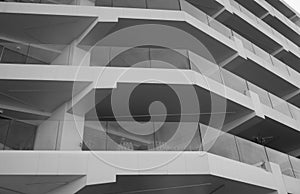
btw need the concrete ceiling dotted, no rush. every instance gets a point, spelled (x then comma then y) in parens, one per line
(44, 96)
(201, 43)
(34, 184)
(173, 184)
(282, 137)
(43, 29)
(144, 94)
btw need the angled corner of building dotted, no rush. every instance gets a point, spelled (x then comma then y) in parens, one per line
(149, 96)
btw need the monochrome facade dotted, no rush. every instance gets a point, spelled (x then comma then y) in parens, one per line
(149, 96)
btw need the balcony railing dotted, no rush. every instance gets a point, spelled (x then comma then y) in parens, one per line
(23, 56)
(111, 136)
(24, 53)
(183, 59)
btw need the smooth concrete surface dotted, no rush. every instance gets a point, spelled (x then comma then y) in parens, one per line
(102, 167)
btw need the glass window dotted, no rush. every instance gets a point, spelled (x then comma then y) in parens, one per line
(4, 126)
(10, 56)
(20, 136)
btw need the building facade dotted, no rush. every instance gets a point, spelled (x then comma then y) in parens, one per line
(149, 96)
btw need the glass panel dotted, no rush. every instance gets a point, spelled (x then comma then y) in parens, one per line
(193, 11)
(165, 4)
(105, 3)
(130, 136)
(295, 111)
(217, 142)
(10, 56)
(130, 3)
(204, 66)
(251, 153)
(263, 95)
(4, 126)
(46, 53)
(100, 56)
(280, 105)
(248, 13)
(172, 136)
(235, 82)
(31, 60)
(281, 159)
(21, 136)
(94, 136)
(219, 27)
(296, 166)
(263, 54)
(280, 65)
(129, 57)
(169, 58)
(246, 43)
(235, 4)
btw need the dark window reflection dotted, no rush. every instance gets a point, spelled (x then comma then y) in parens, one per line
(4, 125)
(16, 135)
(10, 56)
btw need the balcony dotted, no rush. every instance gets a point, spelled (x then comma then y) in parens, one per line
(111, 136)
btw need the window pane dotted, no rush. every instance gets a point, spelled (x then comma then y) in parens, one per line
(10, 56)
(4, 125)
(21, 136)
